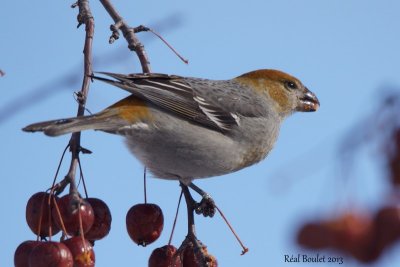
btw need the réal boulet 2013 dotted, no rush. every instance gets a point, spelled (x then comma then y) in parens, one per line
(312, 259)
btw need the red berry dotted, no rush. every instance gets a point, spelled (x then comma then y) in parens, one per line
(144, 223)
(190, 259)
(397, 139)
(51, 254)
(165, 256)
(38, 215)
(102, 220)
(70, 215)
(193, 257)
(353, 233)
(387, 225)
(394, 157)
(314, 236)
(394, 166)
(21, 255)
(82, 251)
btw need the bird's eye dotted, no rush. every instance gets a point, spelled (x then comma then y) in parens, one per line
(291, 85)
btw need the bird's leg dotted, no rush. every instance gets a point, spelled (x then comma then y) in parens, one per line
(206, 205)
(191, 242)
(191, 204)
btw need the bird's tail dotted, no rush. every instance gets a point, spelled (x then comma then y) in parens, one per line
(100, 121)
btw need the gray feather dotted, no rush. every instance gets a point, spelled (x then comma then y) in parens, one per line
(177, 95)
(98, 121)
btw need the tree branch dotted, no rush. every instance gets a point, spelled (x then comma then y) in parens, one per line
(84, 17)
(129, 34)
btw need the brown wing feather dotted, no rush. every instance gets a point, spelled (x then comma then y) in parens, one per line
(173, 94)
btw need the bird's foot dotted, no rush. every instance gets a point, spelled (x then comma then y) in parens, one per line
(205, 207)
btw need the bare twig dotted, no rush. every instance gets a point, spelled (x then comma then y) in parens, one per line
(129, 34)
(72, 78)
(84, 17)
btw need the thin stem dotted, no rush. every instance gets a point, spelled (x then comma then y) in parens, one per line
(176, 217)
(82, 178)
(169, 46)
(80, 223)
(40, 218)
(49, 219)
(245, 249)
(59, 166)
(145, 185)
(60, 217)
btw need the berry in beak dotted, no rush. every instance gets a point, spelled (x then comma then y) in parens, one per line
(308, 102)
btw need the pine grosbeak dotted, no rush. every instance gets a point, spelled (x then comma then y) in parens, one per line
(187, 128)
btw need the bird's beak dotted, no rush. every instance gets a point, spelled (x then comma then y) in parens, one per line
(308, 102)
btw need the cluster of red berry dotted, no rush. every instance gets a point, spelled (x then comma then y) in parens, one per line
(82, 222)
(365, 237)
(358, 235)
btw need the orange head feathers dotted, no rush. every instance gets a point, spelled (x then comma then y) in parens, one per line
(286, 91)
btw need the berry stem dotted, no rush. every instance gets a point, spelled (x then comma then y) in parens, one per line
(49, 212)
(176, 217)
(169, 46)
(58, 168)
(82, 178)
(145, 185)
(59, 216)
(40, 218)
(81, 229)
(245, 249)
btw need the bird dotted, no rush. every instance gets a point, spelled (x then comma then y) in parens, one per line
(184, 128)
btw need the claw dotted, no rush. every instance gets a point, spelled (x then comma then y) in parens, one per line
(206, 207)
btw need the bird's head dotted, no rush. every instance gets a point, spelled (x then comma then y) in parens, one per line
(285, 91)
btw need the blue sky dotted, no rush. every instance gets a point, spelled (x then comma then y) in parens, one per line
(344, 51)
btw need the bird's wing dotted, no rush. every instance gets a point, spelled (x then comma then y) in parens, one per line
(230, 96)
(191, 98)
